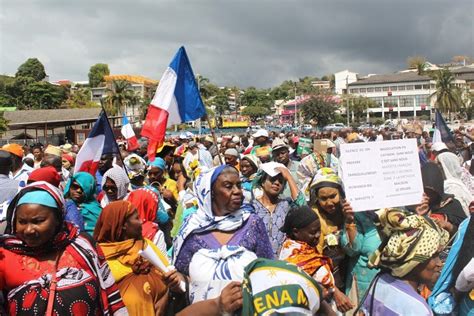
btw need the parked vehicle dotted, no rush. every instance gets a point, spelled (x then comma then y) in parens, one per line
(334, 127)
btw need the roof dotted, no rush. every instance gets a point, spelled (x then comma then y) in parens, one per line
(391, 78)
(131, 78)
(31, 119)
(463, 70)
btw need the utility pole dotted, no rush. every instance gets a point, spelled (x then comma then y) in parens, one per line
(295, 106)
(347, 99)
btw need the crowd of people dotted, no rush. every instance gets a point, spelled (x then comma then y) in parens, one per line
(244, 224)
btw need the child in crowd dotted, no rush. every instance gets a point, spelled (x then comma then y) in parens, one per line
(303, 230)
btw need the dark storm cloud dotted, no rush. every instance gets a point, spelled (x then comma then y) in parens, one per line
(240, 43)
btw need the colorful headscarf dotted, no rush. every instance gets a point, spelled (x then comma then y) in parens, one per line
(121, 180)
(158, 163)
(135, 164)
(254, 161)
(109, 227)
(325, 177)
(204, 219)
(274, 287)
(66, 232)
(410, 239)
(90, 209)
(147, 204)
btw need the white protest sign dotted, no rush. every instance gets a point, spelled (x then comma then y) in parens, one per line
(381, 174)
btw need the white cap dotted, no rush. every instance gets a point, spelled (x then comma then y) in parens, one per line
(236, 139)
(260, 132)
(232, 152)
(438, 146)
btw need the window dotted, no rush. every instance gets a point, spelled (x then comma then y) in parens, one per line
(378, 89)
(410, 88)
(418, 87)
(363, 90)
(385, 88)
(393, 88)
(370, 89)
(401, 88)
(426, 87)
(354, 90)
(432, 86)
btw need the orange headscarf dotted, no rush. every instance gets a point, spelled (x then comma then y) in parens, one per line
(146, 202)
(109, 227)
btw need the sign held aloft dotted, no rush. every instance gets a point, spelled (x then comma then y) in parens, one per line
(381, 174)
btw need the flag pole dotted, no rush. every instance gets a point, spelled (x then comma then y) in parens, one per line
(115, 141)
(213, 135)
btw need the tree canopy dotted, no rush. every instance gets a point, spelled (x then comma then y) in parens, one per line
(320, 109)
(255, 112)
(448, 96)
(32, 68)
(97, 73)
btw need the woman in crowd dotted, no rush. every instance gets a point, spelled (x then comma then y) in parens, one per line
(441, 299)
(48, 174)
(444, 208)
(268, 204)
(167, 186)
(327, 200)
(80, 197)
(222, 235)
(359, 240)
(248, 168)
(119, 234)
(408, 258)
(456, 181)
(47, 268)
(114, 185)
(147, 203)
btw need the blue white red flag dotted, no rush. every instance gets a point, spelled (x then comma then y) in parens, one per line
(129, 134)
(442, 132)
(100, 141)
(177, 100)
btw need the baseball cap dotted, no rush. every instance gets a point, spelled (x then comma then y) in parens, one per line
(260, 132)
(14, 149)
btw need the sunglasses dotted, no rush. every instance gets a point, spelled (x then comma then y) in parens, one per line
(278, 178)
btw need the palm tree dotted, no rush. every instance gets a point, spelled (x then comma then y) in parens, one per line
(448, 96)
(120, 95)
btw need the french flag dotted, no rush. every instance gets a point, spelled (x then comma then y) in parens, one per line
(177, 100)
(100, 141)
(129, 134)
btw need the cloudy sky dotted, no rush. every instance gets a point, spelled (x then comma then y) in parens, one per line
(232, 42)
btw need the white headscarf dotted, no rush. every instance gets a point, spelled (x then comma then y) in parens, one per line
(204, 219)
(121, 180)
(453, 184)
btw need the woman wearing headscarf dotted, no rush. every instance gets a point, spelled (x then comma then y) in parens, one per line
(443, 207)
(441, 299)
(248, 169)
(268, 203)
(80, 197)
(327, 200)
(408, 258)
(456, 182)
(119, 234)
(147, 204)
(223, 235)
(114, 185)
(47, 268)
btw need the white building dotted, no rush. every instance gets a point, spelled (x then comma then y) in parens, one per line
(399, 94)
(342, 79)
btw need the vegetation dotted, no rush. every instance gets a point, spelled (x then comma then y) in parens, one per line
(97, 73)
(119, 96)
(321, 109)
(255, 112)
(3, 124)
(417, 62)
(32, 68)
(448, 96)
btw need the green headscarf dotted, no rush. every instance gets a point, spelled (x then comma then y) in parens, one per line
(90, 209)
